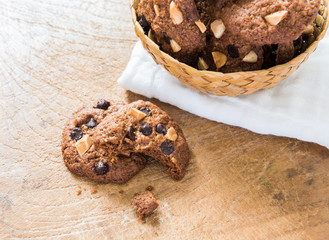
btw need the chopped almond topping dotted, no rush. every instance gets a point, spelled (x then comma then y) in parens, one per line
(218, 28)
(139, 115)
(275, 18)
(175, 14)
(157, 10)
(84, 144)
(171, 134)
(201, 26)
(174, 45)
(219, 59)
(202, 65)
(319, 20)
(251, 57)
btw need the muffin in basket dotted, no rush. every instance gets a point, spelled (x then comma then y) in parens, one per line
(230, 47)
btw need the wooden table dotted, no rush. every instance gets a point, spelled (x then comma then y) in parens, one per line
(57, 55)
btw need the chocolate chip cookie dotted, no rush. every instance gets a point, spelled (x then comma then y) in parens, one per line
(83, 158)
(141, 127)
(175, 25)
(266, 22)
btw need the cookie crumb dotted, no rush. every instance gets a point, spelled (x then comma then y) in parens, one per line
(149, 188)
(121, 191)
(84, 189)
(93, 191)
(79, 192)
(79, 186)
(144, 203)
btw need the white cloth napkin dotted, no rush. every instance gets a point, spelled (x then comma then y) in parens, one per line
(297, 107)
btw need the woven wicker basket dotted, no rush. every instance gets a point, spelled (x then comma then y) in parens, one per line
(226, 84)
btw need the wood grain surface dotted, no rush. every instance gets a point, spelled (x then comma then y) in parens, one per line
(56, 55)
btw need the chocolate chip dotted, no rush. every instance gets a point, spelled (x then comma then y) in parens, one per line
(273, 56)
(269, 57)
(298, 42)
(167, 148)
(208, 37)
(144, 24)
(304, 46)
(101, 168)
(149, 158)
(102, 104)
(161, 128)
(76, 134)
(166, 38)
(146, 129)
(131, 134)
(145, 110)
(309, 39)
(233, 51)
(149, 188)
(274, 47)
(92, 123)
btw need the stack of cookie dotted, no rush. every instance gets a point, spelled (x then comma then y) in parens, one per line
(231, 35)
(112, 141)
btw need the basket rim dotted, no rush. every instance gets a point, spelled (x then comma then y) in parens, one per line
(310, 48)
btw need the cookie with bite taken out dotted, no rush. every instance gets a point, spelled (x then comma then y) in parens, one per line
(142, 127)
